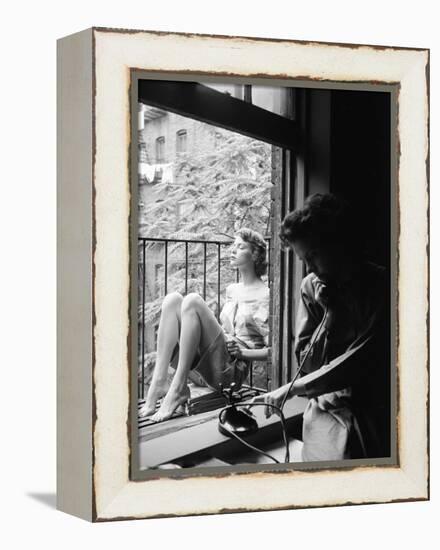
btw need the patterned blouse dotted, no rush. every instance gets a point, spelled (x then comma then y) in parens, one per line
(245, 315)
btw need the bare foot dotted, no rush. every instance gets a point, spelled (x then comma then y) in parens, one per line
(156, 391)
(173, 400)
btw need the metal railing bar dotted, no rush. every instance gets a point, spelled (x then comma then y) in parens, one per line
(166, 267)
(143, 321)
(218, 281)
(204, 270)
(268, 259)
(186, 268)
(200, 241)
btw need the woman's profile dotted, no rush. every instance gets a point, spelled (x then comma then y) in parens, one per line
(201, 349)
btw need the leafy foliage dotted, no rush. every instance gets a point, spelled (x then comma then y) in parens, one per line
(218, 190)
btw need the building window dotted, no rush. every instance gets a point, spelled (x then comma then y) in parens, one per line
(183, 208)
(218, 139)
(181, 143)
(160, 149)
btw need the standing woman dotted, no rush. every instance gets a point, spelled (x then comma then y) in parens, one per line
(199, 348)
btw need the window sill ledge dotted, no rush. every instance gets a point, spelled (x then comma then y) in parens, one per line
(188, 435)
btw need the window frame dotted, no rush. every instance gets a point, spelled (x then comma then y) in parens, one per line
(286, 134)
(160, 149)
(183, 133)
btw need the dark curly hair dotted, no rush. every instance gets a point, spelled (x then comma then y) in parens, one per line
(324, 219)
(258, 246)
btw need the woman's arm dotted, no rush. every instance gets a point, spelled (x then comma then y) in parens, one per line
(235, 350)
(228, 311)
(357, 362)
(364, 359)
(308, 319)
(260, 354)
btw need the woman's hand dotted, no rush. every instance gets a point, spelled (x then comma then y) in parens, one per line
(234, 349)
(275, 397)
(323, 293)
(327, 297)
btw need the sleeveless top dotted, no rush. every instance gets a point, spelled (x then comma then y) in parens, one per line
(245, 315)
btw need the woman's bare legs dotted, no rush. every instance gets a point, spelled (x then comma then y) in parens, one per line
(167, 339)
(199, 328)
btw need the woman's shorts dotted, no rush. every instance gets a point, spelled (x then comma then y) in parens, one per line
(215, 366)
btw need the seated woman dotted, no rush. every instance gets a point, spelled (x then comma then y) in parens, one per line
(199, 348)
(342, 336)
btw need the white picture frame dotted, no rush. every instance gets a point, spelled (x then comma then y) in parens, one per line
(94, 133)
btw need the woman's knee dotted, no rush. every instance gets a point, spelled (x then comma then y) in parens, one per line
(192, 302)
(173, 300)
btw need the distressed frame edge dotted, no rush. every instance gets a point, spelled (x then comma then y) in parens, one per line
(256, 39)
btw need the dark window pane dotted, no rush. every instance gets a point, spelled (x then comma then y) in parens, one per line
(160, 149)
(181, 141)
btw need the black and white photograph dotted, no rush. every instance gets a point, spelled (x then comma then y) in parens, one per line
(243, 254)
(264, 274)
